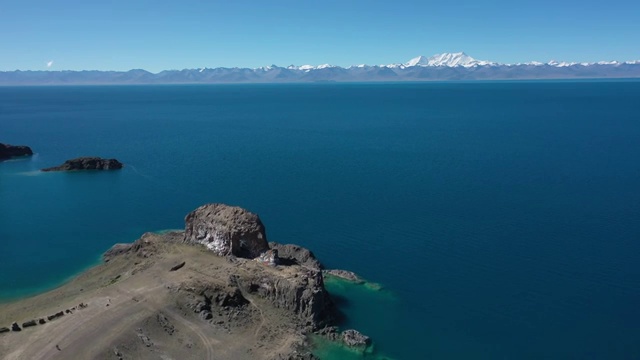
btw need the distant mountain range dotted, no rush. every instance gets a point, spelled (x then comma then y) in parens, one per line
(440, 67)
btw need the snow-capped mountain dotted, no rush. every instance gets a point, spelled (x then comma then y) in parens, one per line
(440, 67)
(447, 59)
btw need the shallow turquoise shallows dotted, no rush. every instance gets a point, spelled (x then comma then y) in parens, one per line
(501, 218)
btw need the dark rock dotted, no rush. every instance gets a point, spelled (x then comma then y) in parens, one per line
(226, 230)
(29, 323)
(232, 298)
(87, 163)
(8, 151)
(177, 266)
(291, 254)
(15, 327)
(41, 321)
(55, 316)
(4, 330)
(354, 338)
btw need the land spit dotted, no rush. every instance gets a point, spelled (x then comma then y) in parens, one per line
(167, 297)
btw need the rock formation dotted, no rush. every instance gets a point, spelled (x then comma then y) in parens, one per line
(291, 254)
(226, 230)
(344, 274)
(269, 257)
(87, 163)
(228, 298)
(8, 151)
(354, 338)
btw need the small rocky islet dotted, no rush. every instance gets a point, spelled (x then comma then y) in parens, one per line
(10, 151)
(219, 279)
(87, 163)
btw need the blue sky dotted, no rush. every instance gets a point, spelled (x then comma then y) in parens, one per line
(158, 35)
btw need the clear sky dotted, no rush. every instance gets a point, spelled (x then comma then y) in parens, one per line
(158, 35)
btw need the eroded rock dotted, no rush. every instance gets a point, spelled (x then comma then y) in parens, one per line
(354, 338)
(291, 254)
(226, 230)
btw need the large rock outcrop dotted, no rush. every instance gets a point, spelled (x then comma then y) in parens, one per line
(300, 291)
(87, 163)
(226, 230)
(8, 151)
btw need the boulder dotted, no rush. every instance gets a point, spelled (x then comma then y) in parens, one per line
(29, 323)
(177, 267)
(4, 330)
(354, 338)
(55, 316)
(87, 163)
(291, 254)
(226, 230)
(269, 258)
(8, 151)
(15, 327)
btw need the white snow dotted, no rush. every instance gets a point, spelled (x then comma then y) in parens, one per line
(446, 59)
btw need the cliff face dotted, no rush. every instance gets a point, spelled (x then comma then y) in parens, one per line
(87, 163)
(300, 292)
(226, 230)
(8, 151)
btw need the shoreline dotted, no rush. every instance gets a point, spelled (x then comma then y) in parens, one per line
(36, 291)
(140, 281)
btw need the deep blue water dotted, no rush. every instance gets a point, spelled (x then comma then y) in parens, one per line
(502, 217)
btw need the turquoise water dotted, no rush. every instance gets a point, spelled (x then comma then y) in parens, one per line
(501, 216)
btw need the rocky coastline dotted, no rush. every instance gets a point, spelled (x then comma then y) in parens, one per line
(87, 163)
(219, 286)
(10, 151)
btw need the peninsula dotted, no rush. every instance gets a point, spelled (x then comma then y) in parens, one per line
(216, 290)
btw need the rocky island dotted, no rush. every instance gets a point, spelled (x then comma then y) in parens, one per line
(218, 290)
(87, 163)
(9, 151)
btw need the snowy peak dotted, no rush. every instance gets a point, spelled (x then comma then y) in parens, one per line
(447, 59)
(418, 61)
